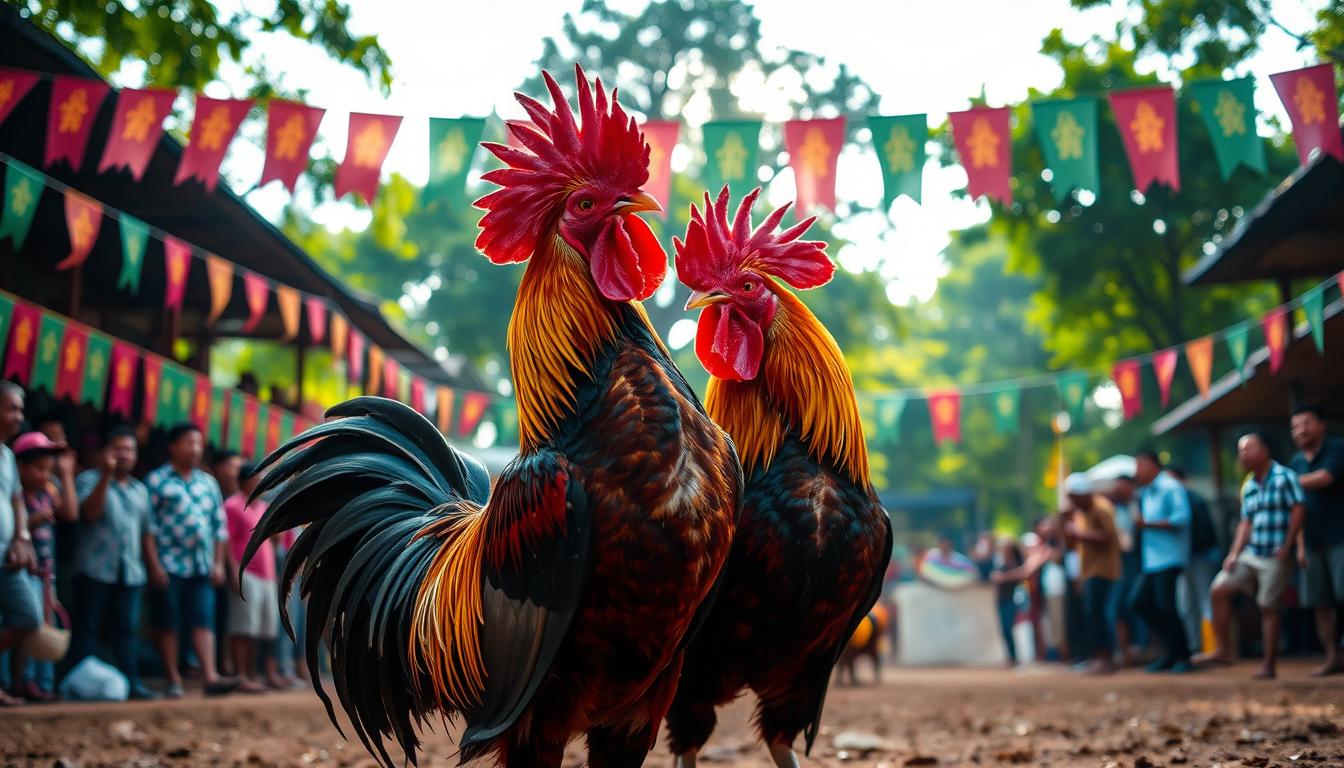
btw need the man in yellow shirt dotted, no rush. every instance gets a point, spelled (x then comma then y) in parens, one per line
(1089, 525)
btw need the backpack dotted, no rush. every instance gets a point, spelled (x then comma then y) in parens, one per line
(1203, 536)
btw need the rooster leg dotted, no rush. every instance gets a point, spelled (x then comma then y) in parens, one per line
(783, 755)
(685, 761)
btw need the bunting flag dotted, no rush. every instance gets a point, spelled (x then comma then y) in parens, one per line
(1067, 131)
(445, 409)
(888, 417)
(1312, 102)
(71, 363)
(290, 302)
(375, 383)
(50, 332)
(1146, 118)
(1237, 339)
(1275, 326)
(14, 85)
(272, 430)
(200, 404)
(290, 130)
(1073, 391)
(731, 155)
(287, 420)
(1313, 306)
(417, 394)
(83, 219)
(212, 128)
(136, 128)
(177, 266)
(166, 414)
(945, 415)
(97, 363)
(23, 325)
(315, 310)
(1007, 409)
(370, 139)
(219, 273)
(23, 188)
(120, 399)
(74, 105)
(258, 294)
(1164, 368)
(814, 149)
(6, 314)
(391, 378)
(1127, 380)
(134, 238)
(452, 143)
(507, 423)
(474, 405)
(661, 136)
(153, 378)
(985, 143)
(899, 144)
(219, 416)
(261, 428)
(355, 370)
(247, 434)
(1199, 356)
(233, 435)
(1228, 109)
(340, 333)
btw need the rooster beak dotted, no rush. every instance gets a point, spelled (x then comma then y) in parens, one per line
(702, 299)
(640, 201)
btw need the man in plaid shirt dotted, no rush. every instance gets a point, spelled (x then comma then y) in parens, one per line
(1272, 510)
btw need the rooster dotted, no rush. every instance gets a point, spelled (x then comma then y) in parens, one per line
(813, 541)
(559, 603)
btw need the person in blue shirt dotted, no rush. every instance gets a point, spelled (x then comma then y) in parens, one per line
(1164, 519)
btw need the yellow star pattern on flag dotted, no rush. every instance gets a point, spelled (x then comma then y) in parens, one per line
(214, 128)
(1231, 114)
(1127, 382)
(184, 399)
(900, 150)
(370, 146)
(124, 374)
(50, 346)
(732, 158)
(23, 336)
(94, 367)
(81, 232)
(656, 156)
(1068, 136)
(944, 411)
(1147, 128)
(73, 110)
(1075, 392)
(71, 355)
(176, 270)
(6, 91)
(1005, 403)
(138, 120)
(288, 138)
(167, 392)
(815, 153)
(452, 153)
(1310, 101)
(984, 144)
(20, 197)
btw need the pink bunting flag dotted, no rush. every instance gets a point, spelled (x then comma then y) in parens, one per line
(316, 309)
(177, 264)
(814, 152)
(212, 129)
(83, 219)
(1164, 368)
(136, 128)
(257, 290)
(74, 105)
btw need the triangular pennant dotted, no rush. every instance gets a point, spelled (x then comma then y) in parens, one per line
(200, 404)
(290, 302)
(340, 332)
(14, 85)
(985, 143)
(1313, 305)
(219, 273)
(261, 429)
(1073, 390)
(177, 266)
(290, 130)
(50, 333)
(899, 143)
(1067, 132)
(212, 128)
(233, 435)
(1312, 101)
(6, 314)
(661, 136)
(219, 416)
(1125, 373)
(122, 390)
(23, 188)
(315, 309)
(1199, 356)
(71, 363)
(355, 371)
(1275, 325)
(731, 150)
(136, 128)
(22, 347)
(814, 150)
(417, 394)
(452, 143)
(149, 410)
(375, 383)
(258, 293)
(272, 430)
(445, 409)
(1006, 404)
(1238, 338)
(83, 220)
(391, 378)
(247, 432)
(1228, 109)
(1146, 118)
(474, 405)
(888, 417)
(370, 140)
(1164, 368)
(134, 238)
(74, 105)
(945, 415)
(97, 363)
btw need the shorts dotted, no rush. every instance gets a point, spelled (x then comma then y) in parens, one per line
(20, 605)
(256, 611)
(188, 602)
(1323, 578)
(1264, 577)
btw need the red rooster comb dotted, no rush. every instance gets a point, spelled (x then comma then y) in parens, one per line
(714, 251)
(607, 148)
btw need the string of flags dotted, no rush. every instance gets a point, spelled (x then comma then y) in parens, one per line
(1066, 129)
(883, 411)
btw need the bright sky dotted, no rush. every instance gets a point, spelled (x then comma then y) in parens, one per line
(454, 59)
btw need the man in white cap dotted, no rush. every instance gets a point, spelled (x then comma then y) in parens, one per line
(1089, 525)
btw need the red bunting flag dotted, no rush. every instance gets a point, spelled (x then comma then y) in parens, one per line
(945, 415)
(661, 136)
(136, 128)
(355, 371)
(83, 219)
(1275, 326)
(418, 394)
(290, 302)
(14, 85)
(1164, 368)
(23, 323)
(251, 412)
(177, 266)
(814, 149)
(120, 398)
(370, 139)
(70, 364)
(1199, 355)
(258, 293)
(1146, 118)
(212, 128)
(445, 409)
(984, 141)
(273, 429)
(74, 105)
(290, 130)
(1312, 102)
(474, 405)
(153, 380)
(316, 310)
(391, 378)
(1126, 375)
(200, 405)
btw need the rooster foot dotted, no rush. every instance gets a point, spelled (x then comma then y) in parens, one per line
(783, 756)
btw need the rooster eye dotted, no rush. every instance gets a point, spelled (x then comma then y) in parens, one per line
(748, 286)
(586, 204)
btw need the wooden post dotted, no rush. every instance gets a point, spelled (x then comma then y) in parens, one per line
(1216, 475)
(76, 290)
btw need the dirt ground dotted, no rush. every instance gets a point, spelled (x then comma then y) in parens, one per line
(917, 717)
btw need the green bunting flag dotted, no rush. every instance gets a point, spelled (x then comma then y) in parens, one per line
(286, 427)
(165, 415)
(506, 419)
(888, 417)
(1313, 304)
(97, 361)
(23, 186)
(899, 143)
(1006, 402)
(1238, 337)
(259, 451)
(49, 335)
(134, 235)
(1067, 131)
(1072, 387)
(452, 144)
(1228, 109)
(237, 411)
(731, 150)
(219, 406)
(6, 312)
